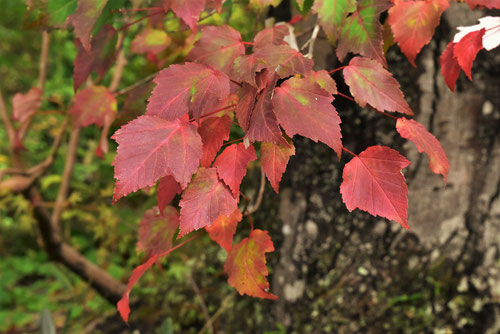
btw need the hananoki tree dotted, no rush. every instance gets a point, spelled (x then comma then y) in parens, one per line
(221, 103)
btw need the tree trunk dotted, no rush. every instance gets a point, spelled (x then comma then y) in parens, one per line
(344, 272)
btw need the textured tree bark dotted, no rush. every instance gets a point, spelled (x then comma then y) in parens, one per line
(350, 272)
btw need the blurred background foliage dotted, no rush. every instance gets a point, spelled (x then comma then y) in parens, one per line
(104, 233)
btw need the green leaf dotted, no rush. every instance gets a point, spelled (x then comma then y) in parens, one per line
(331, 15)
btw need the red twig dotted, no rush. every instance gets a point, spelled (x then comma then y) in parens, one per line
(337, 69)
(351, 153)
(214, 112)
(380, 112)
(233, 141)
(250, 219)
(247, 43)
(126, 26)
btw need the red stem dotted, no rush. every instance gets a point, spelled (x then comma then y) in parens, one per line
(351, 153)
(126, 26)
(236, 82)
(233, 141)
(215, 111)
(247, 43)
(381, 112)
(250, 219)
(179, 245)
(136, 9)
(337, 69)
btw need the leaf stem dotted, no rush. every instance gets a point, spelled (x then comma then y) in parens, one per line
(337, 69)
(233, 141)
(351, 153)
(380, 112)
(215, 111)
(247, 43)
(126, 26)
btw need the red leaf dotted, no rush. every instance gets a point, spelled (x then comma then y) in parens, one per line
(370, 83)
(213, 131)
(332, 14)
(490, 4)
(373, 182)
(100, 57)
(466, 50)
(449, 66)
(156, 230)
(168, 187)
(189, 87)
(274, 158)
(491, 38)
(285, 60)
(223, 229)
(25, 105)
(188, 10)
(425, 142)
(274, 36)
(204, 200)
(324, 80)
(150, 147)
(123, 304)
(232, 165)
(303, 107)
(262, 123)
(218, 47)
(246, 67)
(150, 41)
(83, 20)
(413, 24)
(246, 265)
(93, 105)
(245, 105)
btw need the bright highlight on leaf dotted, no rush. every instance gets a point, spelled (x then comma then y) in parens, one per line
(204, 200)
(151, 41)
(156, 230)
(425, 142)
(246, 265)
(370, 83)
(373, 182)
(151, 147)
(491, 37)
(223, 229)
(274, 158)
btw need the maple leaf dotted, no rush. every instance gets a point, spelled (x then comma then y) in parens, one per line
(466, 49)
(246, 265)
(100, 58)
(284, 59)
(232, 165)
(362, 32)
(168, 187)
(151, 147)
(490, 4)
(262, 122)
(413, 24)
(84, 18)
(373, 182)
(425, 142)
(370, 83)
(223, 229)
(303, 107)
(331, 15)
(449, 66)
(270, 36)
(93, 105)
(188, 10)
(246, 68)
(151, 41)
(204, 200)
(274, 158)
(218, 47)
(245, 105)
(491, 38)
(189, 87)
(213, 131)
(324, 80)
(157, 229)
(25, 105)
(261, 4)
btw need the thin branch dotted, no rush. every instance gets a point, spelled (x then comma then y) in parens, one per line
(121, 62)
(44, 57)
(137, 84)
(260, 195)
(201, 300)
(381, 112)
(217, 314)
(66, 178)
(351, 153)
(11, 132)
(311, 42)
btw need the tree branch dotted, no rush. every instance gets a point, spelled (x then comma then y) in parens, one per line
(258, 202)
(44, 57)
(11, 132)
(121, 61)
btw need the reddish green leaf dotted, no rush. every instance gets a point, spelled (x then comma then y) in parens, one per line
(490, 4)
(425, 142)
(218, 47)
(223, 229)
(190, 87)
(204, 200)
(93, 105)
(370, 83)
(246, 68)
(232, 165)
(324, 80)
(274, 158)
(270, 36)
(303, 107)
(466, 50)
(83, 19)
(151, 147)
(285, 60)
(373, 182)
(156, 230)
(361, 31)
(246, 265)
(213, 131)
(449, 66)
(168, 187)
(25, 105)
(151, 41)
(331, 15)
(188, 10)
(413, 23)
(100, 58)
